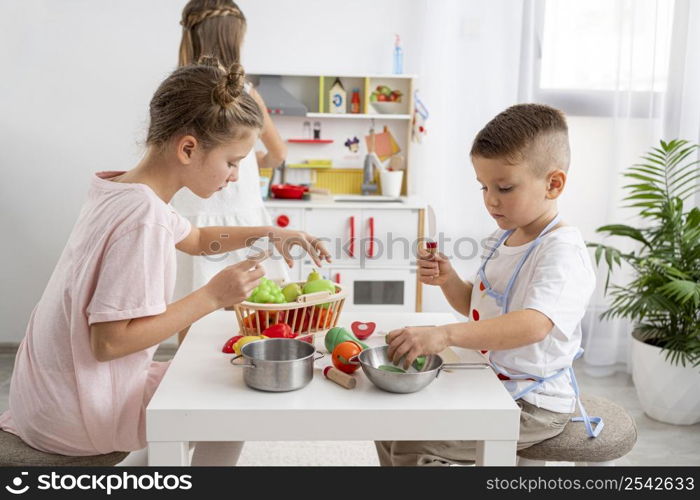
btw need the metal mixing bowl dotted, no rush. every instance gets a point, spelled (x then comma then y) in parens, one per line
(413, 380)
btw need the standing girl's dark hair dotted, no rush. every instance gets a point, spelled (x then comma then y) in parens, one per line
(212, 28)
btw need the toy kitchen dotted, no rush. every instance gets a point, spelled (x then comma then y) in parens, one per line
(346, 180)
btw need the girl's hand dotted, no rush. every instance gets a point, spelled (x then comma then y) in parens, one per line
(235, 283)
(285, 240)
(433, 269)
(414, 341)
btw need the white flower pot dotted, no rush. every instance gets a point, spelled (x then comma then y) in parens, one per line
(668, 393)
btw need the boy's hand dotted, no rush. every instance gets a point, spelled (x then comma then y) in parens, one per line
(433, 269)
(415, 341)
(234, 284)
(285, 239)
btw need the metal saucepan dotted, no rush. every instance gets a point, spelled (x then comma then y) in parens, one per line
(413, 380)
(277, 365)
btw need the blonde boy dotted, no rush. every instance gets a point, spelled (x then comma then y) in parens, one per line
(526, 303)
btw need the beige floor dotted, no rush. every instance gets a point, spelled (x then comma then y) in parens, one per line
(658, 444)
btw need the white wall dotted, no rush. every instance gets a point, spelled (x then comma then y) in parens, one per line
(77, 76)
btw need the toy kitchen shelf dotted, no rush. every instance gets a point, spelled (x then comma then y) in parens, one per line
(356, 116)
(338, 128)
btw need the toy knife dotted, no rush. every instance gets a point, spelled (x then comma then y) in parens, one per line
(431, 244)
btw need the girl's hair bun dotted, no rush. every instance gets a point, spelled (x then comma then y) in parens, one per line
(204, 100)
(230, 85)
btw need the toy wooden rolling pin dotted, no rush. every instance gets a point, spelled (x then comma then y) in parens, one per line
(342, 379)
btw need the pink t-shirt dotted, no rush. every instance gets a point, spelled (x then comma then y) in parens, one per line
(119, 263)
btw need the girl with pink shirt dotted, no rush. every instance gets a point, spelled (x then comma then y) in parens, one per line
(84, 374)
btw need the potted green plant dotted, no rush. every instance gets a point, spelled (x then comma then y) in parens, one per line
(663, 298)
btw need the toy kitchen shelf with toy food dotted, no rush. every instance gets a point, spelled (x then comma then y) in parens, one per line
(329, 135)
(315, 127)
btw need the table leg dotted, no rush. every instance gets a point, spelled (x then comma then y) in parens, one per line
(168, 453)
(496, 452)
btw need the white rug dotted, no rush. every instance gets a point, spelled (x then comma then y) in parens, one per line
(307, 453)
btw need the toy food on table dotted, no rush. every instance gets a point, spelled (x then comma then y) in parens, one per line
(320, 285)
(336, 335)
(307, 317)
(228, 346)
(343, 352)
(391, 368)
(263, 319)
(267, 292)
(291, 292)
(341, 378)
(362, 330)
(418, 364)
(238, 345)
(279, 331)
(316, 283)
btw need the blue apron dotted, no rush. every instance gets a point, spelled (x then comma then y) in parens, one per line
(502, 301)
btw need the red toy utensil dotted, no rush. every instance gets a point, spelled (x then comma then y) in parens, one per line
(363, 330)
(431, 243)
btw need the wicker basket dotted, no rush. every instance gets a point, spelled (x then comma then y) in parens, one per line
(306, 316)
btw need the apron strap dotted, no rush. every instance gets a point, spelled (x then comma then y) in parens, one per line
(537, 381)
(521, 262)
(482, 274)
(587, 421)
(591, 430)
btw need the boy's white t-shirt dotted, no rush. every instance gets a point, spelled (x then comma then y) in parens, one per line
(557, 279)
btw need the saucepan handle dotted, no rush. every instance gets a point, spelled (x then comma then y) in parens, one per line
(321, 355)
(464, 366)
(247, 364)
(461, 366)
(354, 360)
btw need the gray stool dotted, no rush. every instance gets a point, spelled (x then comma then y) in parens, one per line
(573, 445)
(15, 452)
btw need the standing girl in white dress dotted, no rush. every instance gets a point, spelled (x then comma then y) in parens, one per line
(216, 28)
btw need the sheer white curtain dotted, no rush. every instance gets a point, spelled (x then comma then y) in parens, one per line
(627, 72)
(470, 53)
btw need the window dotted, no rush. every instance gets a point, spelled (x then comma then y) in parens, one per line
(591, 51)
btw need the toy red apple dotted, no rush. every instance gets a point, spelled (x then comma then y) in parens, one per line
(363, 330)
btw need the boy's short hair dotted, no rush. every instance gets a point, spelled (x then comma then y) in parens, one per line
(534, 133)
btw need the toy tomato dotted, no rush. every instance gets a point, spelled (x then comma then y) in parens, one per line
(279, 331)
(228, 346)
(342, 354)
